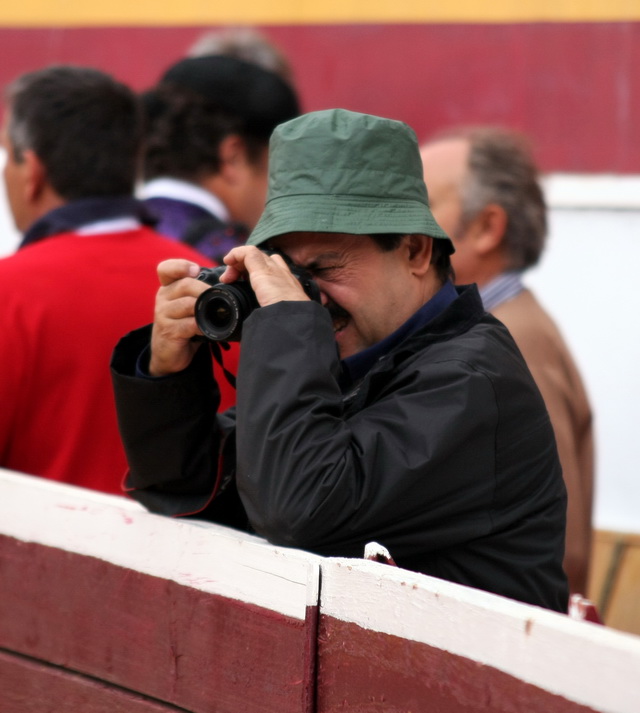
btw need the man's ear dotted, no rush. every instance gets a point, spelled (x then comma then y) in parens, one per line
(35, 176)
(488, 228)
(233, 157)
(419, 249)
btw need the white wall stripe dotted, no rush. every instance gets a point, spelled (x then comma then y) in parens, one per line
(565, 191)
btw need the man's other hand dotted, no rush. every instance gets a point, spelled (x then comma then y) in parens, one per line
(270, 278)
(174, 324)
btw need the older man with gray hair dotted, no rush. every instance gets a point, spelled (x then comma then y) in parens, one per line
(485, 191)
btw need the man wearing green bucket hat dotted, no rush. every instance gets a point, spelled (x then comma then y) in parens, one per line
(390, 408)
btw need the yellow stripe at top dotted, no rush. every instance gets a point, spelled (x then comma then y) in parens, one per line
(69, 13)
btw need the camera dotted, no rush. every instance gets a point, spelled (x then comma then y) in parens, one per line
(221, 310)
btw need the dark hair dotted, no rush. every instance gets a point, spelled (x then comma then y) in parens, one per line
(201, 100)
(502, 170)
(183, 134)
(440, 254)
(84, 126)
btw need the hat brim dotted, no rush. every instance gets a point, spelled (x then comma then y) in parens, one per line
(351, 215)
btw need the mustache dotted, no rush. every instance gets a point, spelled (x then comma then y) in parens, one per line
(336, 312)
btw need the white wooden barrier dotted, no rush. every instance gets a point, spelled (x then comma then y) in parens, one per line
(107, 608)
(95, 589)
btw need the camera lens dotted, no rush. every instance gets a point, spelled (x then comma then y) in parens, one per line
(218, 314)
(221, 310)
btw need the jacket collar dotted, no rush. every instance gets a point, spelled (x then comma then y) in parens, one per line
(462, 314)
(356, 366)
(458, 317)
(79, 213)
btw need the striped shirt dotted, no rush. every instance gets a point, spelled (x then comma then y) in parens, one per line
(501, 289)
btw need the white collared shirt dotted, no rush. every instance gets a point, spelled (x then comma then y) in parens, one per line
(184, 191)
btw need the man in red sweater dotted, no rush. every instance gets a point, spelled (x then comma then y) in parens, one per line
(84, 272)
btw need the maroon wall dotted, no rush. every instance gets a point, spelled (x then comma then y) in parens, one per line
(574, 87)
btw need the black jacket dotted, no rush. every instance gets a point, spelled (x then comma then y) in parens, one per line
(443, 453)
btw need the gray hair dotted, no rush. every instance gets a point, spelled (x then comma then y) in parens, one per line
(247, 44)
(501, 170)
(18, 129)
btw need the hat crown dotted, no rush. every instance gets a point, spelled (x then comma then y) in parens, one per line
(340, 152)
(337, 171)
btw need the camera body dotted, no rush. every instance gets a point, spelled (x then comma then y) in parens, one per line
(221, 310)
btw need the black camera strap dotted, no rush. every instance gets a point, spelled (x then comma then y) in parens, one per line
(216, 352)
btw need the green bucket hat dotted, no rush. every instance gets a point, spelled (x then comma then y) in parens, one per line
(337, 171)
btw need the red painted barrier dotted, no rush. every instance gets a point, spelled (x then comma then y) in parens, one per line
(196, 617)
(107, 608)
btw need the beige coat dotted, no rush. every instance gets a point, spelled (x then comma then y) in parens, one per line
(559, 382)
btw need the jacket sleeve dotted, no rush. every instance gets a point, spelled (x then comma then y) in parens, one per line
(312, 475)
(556, 375)
(179, 451)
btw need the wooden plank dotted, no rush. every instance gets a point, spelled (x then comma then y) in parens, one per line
(393, 640)
(614, 580)
(602, 549)
(194, 615)
(169, 641)
(623, 610)
(207, 620)
(366, 671)
(196, 554)
(32, 687)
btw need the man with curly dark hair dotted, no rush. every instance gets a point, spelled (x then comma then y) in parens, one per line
(209, 120)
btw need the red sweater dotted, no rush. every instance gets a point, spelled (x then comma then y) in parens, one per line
(65, 301)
